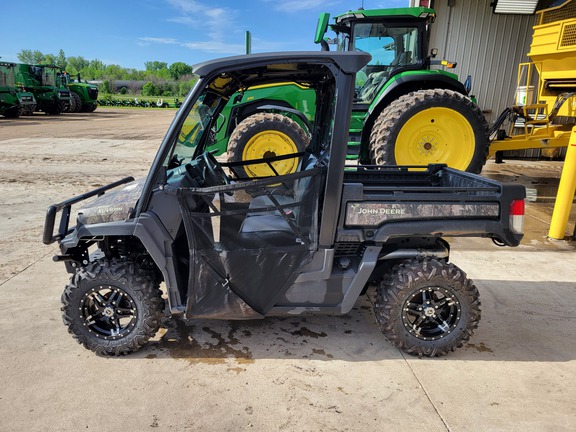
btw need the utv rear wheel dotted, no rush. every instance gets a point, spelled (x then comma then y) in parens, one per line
(112, 307)
(431, 126)
(427, 307)
(266, 135)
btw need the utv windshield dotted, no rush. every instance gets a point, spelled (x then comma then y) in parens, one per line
(192, 133)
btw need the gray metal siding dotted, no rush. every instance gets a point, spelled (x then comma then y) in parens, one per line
(485, 45)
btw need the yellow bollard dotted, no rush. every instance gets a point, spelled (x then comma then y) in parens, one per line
(566, 190)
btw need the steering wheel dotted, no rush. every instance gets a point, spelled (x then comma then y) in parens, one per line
(215, 175)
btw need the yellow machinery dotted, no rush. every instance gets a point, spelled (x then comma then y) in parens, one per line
(546, 93)
(546, 101)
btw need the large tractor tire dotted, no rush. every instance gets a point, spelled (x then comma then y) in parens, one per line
(427, 307)
(431, 126)
(112, 307)
(29, 110)
(54, 108)
(70, 106)
(89, 107)
(13, 112)
(265, 135)
(75, 102)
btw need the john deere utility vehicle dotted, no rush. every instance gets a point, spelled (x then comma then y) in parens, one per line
(232, 246)
(404, 111)
(45, 82)
(83, 96)
(13, 100)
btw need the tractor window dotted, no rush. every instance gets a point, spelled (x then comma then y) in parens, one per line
(6, 77)
(390, 47)
(48, 78)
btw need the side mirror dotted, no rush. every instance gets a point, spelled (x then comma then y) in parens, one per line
(433, 52)
(321, 29)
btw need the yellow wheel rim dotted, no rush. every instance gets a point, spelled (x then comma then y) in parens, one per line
(269, 144)
(436, 135)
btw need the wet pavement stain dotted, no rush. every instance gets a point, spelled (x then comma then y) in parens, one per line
(304, 331)
(322, 352)
(179, 343)
(480, 348)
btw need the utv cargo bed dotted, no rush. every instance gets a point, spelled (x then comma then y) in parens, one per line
(440, 201)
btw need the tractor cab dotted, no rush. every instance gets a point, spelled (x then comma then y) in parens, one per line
(395, 38)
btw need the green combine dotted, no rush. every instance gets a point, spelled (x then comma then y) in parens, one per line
(13, 100)
(405, 112)
(45, 82)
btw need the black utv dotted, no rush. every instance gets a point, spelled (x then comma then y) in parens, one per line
(310, 241)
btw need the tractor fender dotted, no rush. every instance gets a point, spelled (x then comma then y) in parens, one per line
(240, 112)
(402, 84)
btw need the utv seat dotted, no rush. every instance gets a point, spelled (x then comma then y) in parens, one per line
(261, 228)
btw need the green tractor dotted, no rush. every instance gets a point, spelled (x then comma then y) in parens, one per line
(404, 113)
(45, 82)
(13, 100)
(83, 96)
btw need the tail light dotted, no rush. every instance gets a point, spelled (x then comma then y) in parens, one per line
(517, 216)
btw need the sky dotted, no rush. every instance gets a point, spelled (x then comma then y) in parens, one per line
(131, 32)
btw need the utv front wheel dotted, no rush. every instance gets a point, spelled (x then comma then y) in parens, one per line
(427, 307)
(265, 135)
(112, 307)
(431, 126)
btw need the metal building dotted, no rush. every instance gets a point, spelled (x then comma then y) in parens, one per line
(485, 45)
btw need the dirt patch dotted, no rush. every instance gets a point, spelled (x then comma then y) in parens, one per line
(46, 159)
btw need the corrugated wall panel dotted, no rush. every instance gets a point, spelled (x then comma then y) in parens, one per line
(487, 46)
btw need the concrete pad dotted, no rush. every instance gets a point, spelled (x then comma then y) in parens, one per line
(314, 373)
(295, 374)
(307, 373)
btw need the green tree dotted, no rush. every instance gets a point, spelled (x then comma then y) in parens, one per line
(97, 64)
(155, 65)
(179, 69)
(61, 60)
(30, 57)
(49, 59)
(106, 87)
(113, 72)
(76, 64)
(186, 86)
(149, 89)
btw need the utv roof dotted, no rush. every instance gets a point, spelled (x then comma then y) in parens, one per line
(349, 62)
